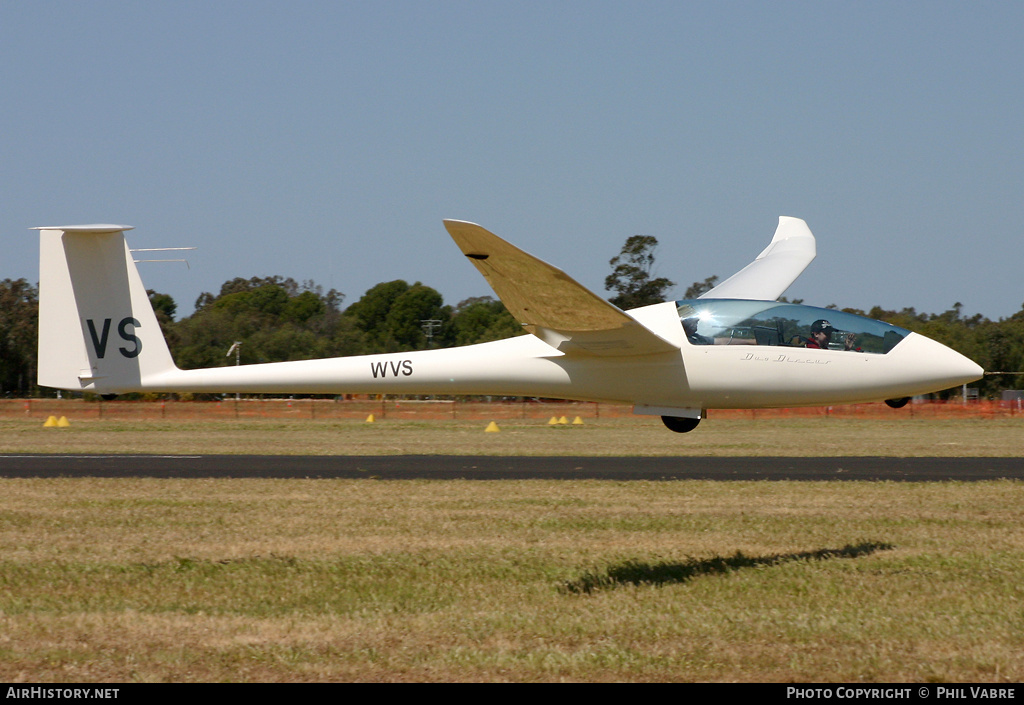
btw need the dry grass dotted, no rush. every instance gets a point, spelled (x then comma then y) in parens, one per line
(817, 436)
(315, 580)
(363, 580)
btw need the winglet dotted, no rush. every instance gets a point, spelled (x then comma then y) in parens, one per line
(549, 303)
(775, 269)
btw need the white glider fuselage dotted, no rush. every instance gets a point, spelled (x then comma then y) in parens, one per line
(728, 349)
(691, 379)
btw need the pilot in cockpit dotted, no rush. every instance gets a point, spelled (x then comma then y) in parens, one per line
(690, 328)
(821, 333)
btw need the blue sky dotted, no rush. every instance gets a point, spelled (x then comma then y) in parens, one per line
(327, 140)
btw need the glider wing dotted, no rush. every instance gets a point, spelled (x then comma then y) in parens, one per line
(778, 266)
(549, 303)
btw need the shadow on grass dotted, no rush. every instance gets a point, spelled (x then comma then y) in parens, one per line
(643, 573)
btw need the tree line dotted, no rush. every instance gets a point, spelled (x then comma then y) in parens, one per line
(275, 319)
(272, 319)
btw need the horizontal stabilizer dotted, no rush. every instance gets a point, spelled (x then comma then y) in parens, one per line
(85, 229)
(549, 303)
(775, 269)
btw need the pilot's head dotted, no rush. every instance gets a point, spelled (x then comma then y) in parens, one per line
(822, 330)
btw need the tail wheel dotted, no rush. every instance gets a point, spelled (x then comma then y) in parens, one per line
(897, 403)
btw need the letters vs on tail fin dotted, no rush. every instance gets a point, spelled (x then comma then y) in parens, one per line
(88, 283)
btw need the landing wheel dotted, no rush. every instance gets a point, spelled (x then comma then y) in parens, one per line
(108, 397)
(897, 403)
(679, 424)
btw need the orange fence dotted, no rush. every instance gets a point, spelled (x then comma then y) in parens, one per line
(454, 410)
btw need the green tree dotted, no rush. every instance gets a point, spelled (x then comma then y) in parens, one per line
(482, 319)
(697, 289)
(407, 317)
(275, 319)
(1003, 342)
(631, 275)
(19, 331)
(391, 315)
(369, 313)
(165, 307)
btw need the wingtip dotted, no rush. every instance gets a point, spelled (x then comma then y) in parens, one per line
(463, 231)
(795, 233)
(790, 227)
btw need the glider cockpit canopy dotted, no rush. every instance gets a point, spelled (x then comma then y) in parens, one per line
(771, 323)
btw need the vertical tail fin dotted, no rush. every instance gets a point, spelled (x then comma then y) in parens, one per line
(97, 329)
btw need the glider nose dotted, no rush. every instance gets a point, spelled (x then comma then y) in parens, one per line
(940, 365)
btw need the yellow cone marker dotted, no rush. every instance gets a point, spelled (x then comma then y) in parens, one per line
(369, 419)
(492, 428)
(63, 422)
(553, 421)
(50, 422)
(563, 420)
(577, 421)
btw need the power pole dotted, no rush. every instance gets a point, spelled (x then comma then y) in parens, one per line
(429, 326)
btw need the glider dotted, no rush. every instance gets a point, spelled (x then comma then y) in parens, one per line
(736, 346)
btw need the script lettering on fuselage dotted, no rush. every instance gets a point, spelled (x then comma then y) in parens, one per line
(394, 368)
(99, 340)
(791, 359)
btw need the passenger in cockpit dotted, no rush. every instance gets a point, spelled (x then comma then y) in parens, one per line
(821, 333)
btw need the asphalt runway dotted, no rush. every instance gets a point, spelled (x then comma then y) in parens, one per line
(452, 467)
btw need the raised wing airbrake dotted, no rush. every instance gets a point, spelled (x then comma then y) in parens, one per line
(734, 347)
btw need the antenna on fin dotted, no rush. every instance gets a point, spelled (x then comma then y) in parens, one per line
(161, 249)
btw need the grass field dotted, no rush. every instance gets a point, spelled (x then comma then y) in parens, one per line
(812, 436)
(365, 580)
